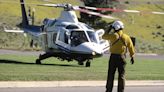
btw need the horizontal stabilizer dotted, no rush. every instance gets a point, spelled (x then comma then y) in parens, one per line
(13, 31)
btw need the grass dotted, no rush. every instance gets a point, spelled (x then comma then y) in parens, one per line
(23, 68)
(146, 69)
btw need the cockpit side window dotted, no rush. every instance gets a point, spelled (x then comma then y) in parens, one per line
(78, 37)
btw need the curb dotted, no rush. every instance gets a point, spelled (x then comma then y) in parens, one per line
(17, 84)
(146, 54)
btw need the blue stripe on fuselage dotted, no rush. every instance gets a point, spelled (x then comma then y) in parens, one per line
(33, 28)
(64, 49)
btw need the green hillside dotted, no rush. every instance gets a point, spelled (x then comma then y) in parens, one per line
(147, 28)
(11, 8)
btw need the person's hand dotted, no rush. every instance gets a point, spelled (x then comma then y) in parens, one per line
(132, 60)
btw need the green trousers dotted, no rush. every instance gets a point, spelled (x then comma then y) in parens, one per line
(118, 62)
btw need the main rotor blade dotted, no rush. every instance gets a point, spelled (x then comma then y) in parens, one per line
(97, 14)
(52, 5)
(120, 10)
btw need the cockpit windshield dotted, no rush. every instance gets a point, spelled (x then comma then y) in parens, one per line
(78, 37)
(92, 36)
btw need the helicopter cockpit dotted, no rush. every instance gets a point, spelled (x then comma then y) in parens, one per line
(78, 37)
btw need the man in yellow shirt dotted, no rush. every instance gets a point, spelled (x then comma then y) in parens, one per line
(120, 43)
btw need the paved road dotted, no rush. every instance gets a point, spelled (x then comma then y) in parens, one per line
(85, 89)
(17, 52)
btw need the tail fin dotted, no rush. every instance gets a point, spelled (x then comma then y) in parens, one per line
(24, 15)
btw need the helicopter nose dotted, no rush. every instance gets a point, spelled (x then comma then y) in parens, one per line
(95, 49)
(97, 54)
(91, 48)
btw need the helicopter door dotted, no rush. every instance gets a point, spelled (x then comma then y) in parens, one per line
(103, 43)
(52, 36)
(63, 41)
(44, 42)
(99, 34)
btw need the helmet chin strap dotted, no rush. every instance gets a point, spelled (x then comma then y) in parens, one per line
(118, 30)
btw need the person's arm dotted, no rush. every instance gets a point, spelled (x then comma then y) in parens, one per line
(131, 49)
(108, 36)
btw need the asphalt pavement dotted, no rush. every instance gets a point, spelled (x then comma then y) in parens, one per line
(78, 86)
(19, 84)
(36, 53)
(84, 89)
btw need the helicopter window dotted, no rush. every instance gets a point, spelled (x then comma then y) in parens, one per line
(72, 27)
(78, 37)
(65, 38)
(54, 37)
(61, 36)
(92, 36)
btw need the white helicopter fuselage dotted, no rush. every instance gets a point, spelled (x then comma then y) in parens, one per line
(67, 35)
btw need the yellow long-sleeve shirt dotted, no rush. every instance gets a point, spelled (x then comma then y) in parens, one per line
(121, 45)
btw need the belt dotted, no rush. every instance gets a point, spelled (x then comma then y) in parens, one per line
(113, 54)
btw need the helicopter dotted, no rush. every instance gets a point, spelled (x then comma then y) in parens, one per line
(65, 37)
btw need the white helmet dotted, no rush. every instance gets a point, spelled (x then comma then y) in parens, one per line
(118, 25)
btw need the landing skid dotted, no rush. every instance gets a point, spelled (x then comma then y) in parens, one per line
(42, 57)
(38, 61)
(87, 64)
(49, 54)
